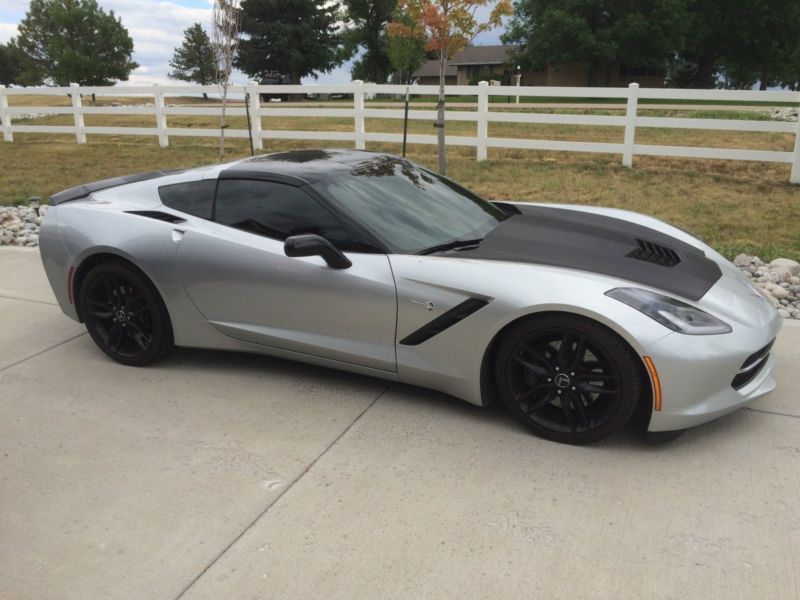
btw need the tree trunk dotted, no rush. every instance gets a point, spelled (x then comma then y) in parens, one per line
(763, 80)
(294, 79)
(440, 115)
(704, 77)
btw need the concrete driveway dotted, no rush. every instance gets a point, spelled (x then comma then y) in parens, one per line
(218, 475)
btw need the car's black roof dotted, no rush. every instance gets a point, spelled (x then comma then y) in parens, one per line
(308, 165)
(296, 167)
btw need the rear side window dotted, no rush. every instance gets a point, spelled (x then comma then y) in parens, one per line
(276, 210)
(193, 197)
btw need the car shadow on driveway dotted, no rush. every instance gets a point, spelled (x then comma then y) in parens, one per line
(632, 437)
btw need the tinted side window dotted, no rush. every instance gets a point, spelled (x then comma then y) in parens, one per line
(275, 210)
(193, 197)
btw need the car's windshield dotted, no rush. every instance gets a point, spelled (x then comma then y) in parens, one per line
(410, 208)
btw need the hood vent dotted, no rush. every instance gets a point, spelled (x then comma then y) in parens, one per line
(158, 215)
(656, 254)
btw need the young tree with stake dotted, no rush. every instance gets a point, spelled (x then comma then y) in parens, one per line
(447, 26)
(225, 17)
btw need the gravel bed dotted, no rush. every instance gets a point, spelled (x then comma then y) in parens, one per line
(779, 281)
(19, 225)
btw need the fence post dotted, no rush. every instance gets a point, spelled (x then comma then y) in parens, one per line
(255, 114)
(358, 108)
(630, 125)
(795, 176)
(483, 118)
(161, 115)
(5, 118)
(77, 111)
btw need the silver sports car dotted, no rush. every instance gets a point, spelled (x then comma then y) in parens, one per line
(574, 317)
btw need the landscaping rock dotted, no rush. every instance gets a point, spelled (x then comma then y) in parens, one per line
(793, 267)
(779, 292)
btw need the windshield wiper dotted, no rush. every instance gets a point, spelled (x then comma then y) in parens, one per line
(455, 244)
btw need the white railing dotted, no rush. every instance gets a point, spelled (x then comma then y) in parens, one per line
(361, 111)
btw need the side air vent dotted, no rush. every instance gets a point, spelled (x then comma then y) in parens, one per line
(656, 254)
(444, 321)
(157, 215)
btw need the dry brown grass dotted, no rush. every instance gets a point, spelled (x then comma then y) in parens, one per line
(735, 206)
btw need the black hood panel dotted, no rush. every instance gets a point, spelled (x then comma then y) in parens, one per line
(599, 244)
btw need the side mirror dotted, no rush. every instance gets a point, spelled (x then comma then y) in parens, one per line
(315, 245)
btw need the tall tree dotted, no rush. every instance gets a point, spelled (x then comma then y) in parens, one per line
(290, 37)
(75, 41)
(194, 59)
(597, 33)
(790, 76)
(406, 54)
(366, 30)
(447, 26)
(11, 65)
(749, 41)
(699, 57)
(9, 68)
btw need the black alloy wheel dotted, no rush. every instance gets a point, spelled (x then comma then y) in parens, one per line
(567, 378)
(125, 315)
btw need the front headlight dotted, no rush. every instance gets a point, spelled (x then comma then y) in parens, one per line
(671, 313)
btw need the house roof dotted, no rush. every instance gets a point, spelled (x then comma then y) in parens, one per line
(471, 55)
(430, 68)
(483, 55)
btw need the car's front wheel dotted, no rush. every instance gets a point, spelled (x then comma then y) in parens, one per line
(567, 378)
(125, 315)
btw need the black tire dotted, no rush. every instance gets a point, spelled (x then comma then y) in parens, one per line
(125, 314)
(567, 378)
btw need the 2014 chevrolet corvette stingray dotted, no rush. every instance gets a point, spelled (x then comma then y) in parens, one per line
(575, 317)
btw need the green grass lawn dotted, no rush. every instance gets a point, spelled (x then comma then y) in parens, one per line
(735, 206)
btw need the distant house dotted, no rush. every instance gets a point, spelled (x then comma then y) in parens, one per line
(428, 73)
(475, 63)
(468, 64)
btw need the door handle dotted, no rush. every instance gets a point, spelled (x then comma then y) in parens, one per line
(177, 234)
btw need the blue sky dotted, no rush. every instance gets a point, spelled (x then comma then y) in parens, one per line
(156, 27)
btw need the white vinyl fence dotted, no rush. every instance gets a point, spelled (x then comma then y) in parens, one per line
(359, 136)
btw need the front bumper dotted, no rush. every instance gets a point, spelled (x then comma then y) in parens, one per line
(697, 373)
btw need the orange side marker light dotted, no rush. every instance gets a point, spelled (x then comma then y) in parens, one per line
(656, 382)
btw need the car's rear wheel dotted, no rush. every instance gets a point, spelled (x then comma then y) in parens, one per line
(567, 378)
(125, 315)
